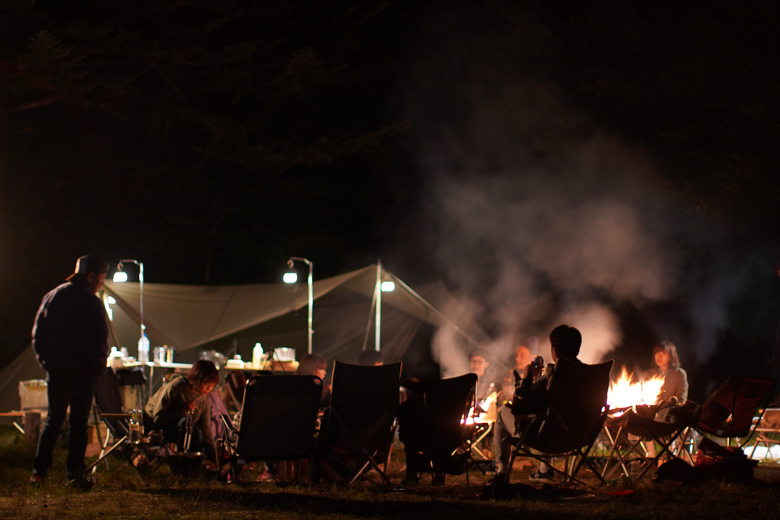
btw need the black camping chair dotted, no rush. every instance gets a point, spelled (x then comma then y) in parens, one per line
(143, 454)
(767, 429)
(359, 424)
(577, 409)
(278, 420)
(730, 411)
(639, 426)
(734, 411)
(434, 426)
(235, 381)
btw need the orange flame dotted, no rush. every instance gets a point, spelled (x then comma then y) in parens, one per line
(625, 392)
(489, 415)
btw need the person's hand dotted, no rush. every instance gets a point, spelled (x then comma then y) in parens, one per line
(192, 405)
(532, 371)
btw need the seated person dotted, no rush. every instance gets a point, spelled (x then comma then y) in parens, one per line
(315, 365)
(674, 389)
(530, 398)
(675, 378)
(479, 361)
(524, 354)
(370, 358)
(169, 407)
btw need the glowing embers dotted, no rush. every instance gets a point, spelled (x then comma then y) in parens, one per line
(627, 393)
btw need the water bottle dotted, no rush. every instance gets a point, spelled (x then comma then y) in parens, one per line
(257, 356)
(143, 349)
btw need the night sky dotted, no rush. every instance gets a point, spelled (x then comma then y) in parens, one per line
(607, 164)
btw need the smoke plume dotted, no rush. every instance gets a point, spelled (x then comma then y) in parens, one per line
(541, 219)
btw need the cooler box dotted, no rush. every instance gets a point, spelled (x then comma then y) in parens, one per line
(33, 395)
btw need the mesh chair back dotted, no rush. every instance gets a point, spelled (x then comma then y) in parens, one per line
(236, 383)
(577, 397)
(279, 417)
(364, 402)
(109, 401)
(447, 403)
(729, 412)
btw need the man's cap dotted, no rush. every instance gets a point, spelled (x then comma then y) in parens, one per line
(89, 264)
(531, 343)
(479, 352)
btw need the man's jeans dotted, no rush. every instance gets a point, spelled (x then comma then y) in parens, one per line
(77, 389)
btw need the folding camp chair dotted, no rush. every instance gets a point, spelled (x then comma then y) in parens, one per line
(484, 420)
(729, 412)
(577, 409)
(235, 381)
(359, 423)
(639, 428)
(278, 420)
(767, 429)
(436, 435)
(142, 454)
(734, 411)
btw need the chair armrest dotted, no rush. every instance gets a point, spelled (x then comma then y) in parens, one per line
(228, 423)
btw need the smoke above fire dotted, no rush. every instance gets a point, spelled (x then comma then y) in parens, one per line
(541, 219)
(537, 215)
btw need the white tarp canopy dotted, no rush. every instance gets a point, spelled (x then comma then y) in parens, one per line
(199, 317)
(189, 316)
(233, 317)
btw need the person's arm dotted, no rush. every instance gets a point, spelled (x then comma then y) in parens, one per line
(97, 336)
(530, 395)
(209, 443)
(165, 407)
(39, 335)
(682, 386)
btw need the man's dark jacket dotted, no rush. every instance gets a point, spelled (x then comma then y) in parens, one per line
(71, 330)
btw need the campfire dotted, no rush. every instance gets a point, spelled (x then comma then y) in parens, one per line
(626, 393)
(486, 410)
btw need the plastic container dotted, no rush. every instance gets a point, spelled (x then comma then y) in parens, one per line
(33, 394)
(143, 349)
(257, 356)
(285, 354)
(163, 354)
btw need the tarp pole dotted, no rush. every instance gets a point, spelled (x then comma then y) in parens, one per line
(368, 323)
(311, 303)
(378, 293)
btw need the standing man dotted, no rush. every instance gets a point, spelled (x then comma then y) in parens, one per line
(70, 339)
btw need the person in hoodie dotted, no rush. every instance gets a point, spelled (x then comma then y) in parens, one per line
(169, 408)
(70, 340)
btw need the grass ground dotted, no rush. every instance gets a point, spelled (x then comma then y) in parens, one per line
(122, 493)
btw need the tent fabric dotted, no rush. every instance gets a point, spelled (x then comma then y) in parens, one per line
(23, 368)
(189, 316)
(234, 317)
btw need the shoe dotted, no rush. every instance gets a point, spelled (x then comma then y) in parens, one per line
(81, 484)
(266, 477)
(542, 477)
(36, 479)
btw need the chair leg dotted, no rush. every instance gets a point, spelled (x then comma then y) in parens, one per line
(510, 463)
(105, 454)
